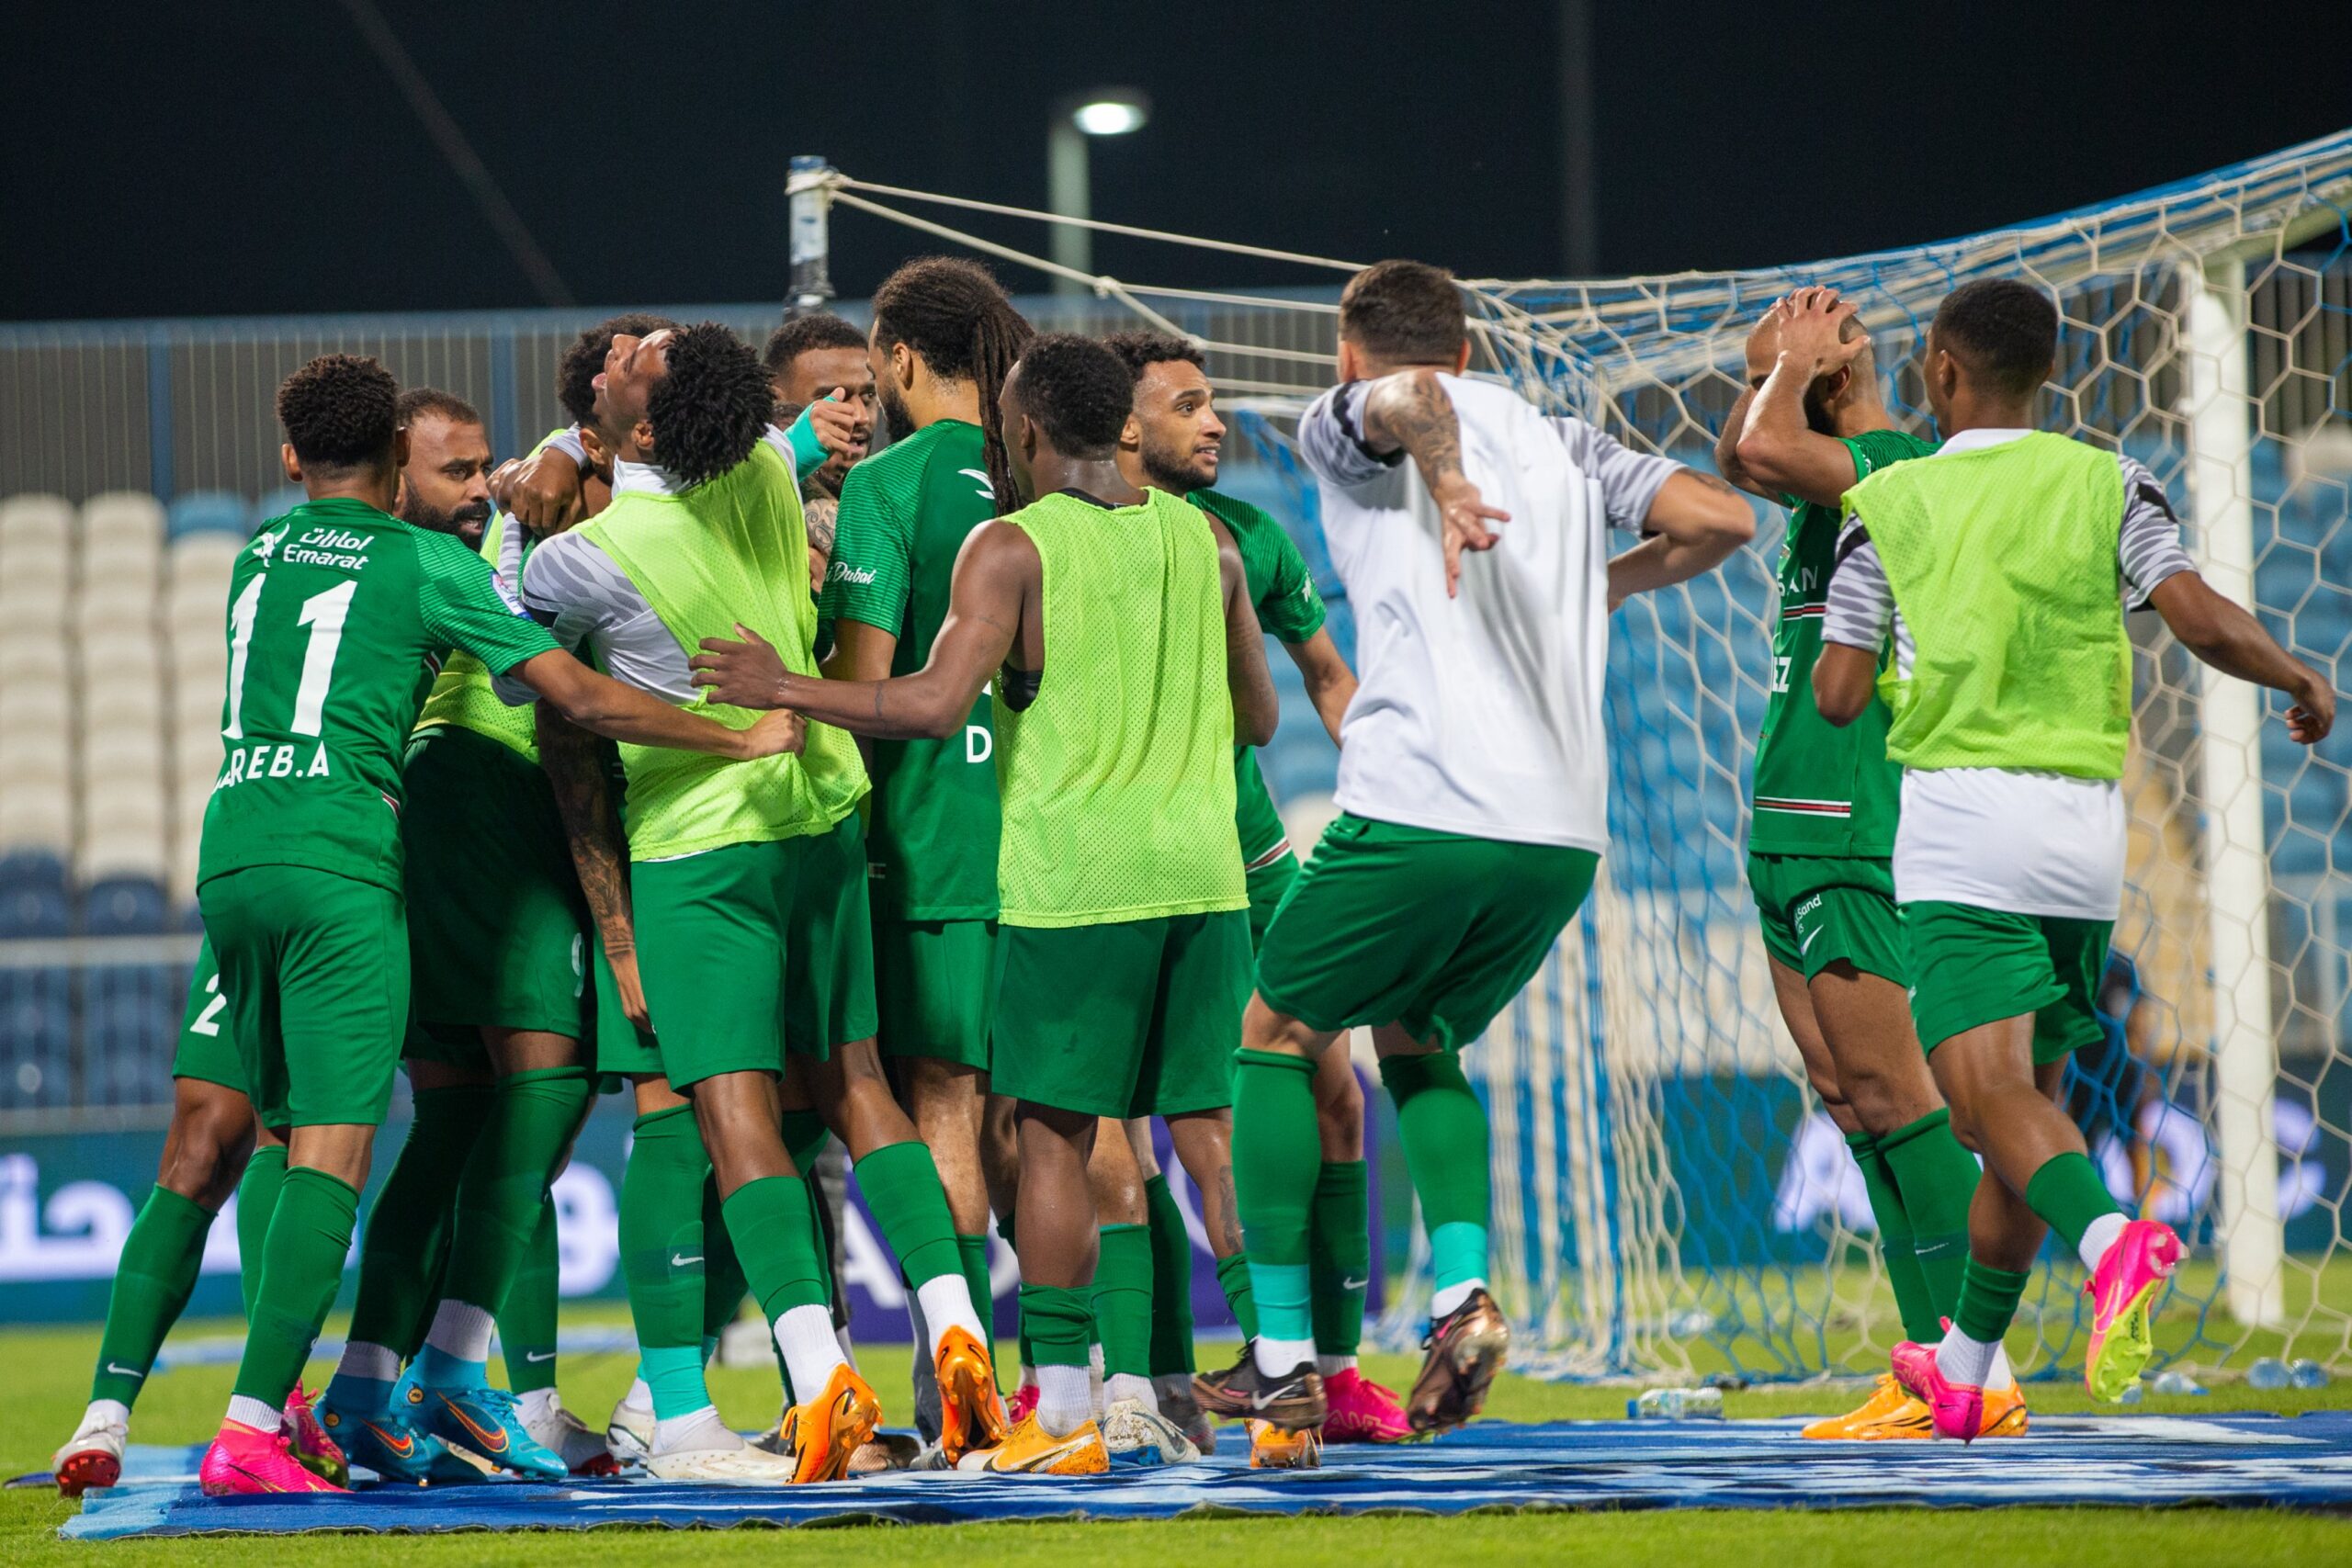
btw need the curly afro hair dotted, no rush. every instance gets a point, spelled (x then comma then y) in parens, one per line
(340, 412)
(2006, 330)
(1078, 390)
(711, 407)
(575, 375)
(1143, 350)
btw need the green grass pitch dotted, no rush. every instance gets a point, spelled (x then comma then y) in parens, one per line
(47, 1379)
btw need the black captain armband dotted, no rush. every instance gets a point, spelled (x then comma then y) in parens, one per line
(1854, 540)
(1018, 688)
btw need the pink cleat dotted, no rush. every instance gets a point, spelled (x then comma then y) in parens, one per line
(1023, 1405)
(1361, 1411)
(2132, 1273)
(311, 1447)
(1957, 1407)
(244, 1462)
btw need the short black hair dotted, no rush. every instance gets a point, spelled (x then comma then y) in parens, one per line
(1078, 390)
(710, 406)
(433, 399)
(575, 375)
(340, 412)
(818, 329)
(1403, 311)
(2006, 330)
(1142, 350)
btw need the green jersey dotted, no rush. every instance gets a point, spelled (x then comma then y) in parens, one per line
(930, 846)
(1289, 609)
(339, 618)
(1821, 790)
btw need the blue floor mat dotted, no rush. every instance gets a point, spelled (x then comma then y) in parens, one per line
(2147, 1460)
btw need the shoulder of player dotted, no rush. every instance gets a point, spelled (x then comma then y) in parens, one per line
(1239, 515)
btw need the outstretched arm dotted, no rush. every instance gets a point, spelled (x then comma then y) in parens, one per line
(605, 705)
(592, 828)
(1256, 707)
(2227, 637)
(984, 609)
(1331, 684)
(1410, 411)
(1697, 522)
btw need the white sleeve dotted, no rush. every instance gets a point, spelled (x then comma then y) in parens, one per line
(1629, 481)
(1330, 438)
(568, 442)
(1861, 602)
(574, 588)
(2149, 549)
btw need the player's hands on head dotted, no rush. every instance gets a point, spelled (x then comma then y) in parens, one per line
(1468, 524)
(1813, 329)
(2313, 712)
(746, 674)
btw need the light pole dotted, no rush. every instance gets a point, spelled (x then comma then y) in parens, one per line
(1099, 111)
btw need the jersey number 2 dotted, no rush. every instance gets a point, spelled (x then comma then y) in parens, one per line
(323, 614)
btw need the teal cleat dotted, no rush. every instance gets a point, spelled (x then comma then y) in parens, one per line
(389, 1442)
(484, 1422)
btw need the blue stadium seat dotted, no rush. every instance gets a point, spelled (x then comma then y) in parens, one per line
(278, 504)
(36, 1004)
(209, 511)
(126, 906)
(129, 1014)
(32, 894)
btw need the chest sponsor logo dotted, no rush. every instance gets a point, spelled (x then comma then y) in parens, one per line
(841, 571)
(339, 549)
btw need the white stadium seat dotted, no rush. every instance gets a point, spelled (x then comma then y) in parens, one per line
(35, 522)
(122, 515)
(122, 566)
(36, 706)
(34, 590)
(37, 817)
(31, 753)
(207, 558)
(32, 657)
(122, 753)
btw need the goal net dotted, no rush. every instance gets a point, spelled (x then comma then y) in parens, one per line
(1669, 1198)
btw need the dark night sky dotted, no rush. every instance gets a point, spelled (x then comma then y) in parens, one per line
(222, 160)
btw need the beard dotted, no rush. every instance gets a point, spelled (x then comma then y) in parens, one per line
(467, 521)
(895, 420)
(1178, 468)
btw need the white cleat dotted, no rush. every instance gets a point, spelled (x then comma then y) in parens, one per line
(1136, 1434)
(628, 1436)
(93, 1457)
(739, 1463)
(1174, 1392)
(566, 1436)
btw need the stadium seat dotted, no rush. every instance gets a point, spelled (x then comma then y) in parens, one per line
(125, 906)
(37, 817)
(122, 831)
(122, 568)
(35, 756)
(36, 1004)
(32, 893)
(122, 753)
(120, 517)
(198, 568)
(29, 704)
(211, 511)
(277, 504)
(33, 592)
(35, 522)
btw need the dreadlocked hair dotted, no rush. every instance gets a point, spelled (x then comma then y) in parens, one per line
(575, 377)
(955, 316)
(708, 410)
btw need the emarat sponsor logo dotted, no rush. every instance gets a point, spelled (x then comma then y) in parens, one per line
(338, 549)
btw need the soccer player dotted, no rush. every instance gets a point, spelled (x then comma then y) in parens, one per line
(2000, 568)
(1472, 783)
(208, 1152)
(744, 880)
(1812, 424)
(815, 357)
(1117, 622)
(944, 337)
(1174, 443)
(339, 615)
(444, 484)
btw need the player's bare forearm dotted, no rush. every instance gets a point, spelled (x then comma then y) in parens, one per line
(1727, 461)
(1845, 678)
(1662, 562)
(1701, 511)
(1257, 709)
(605, 706)
(2227, 636)
(1778, 453)
(570, 756)
(1331, 684)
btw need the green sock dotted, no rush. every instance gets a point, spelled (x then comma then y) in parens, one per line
(1894, 1241)
(1276, 1158)
(1020, 1308)
(2067, 1192)
(663, 1242)
(161, 1257)
(1061, 1324)
(527, 1321)
(402, 1250)
(1442, 1128)
(674, 1374)
(1233, 1279)
(532, 1117)
(1936, 1180)
(257, 1201)
(1122, 1303)
(301, 1265)
(902, 1186)
(973, 1252)
(1988, 1300)
(776, 1237)
(1172, 1282)
(722, 1272)
(1338, 1244)
(803, 1139)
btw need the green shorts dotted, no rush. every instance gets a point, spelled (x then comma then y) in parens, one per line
(712, 955)
(208, 1048)
(622, 1049)
(1269, 882)
(831, 937)
(1971, 967)
(935, 985)
(1819, 911)
(1139, 1018)
(1435, 932)
(498, 931)
(316, 969)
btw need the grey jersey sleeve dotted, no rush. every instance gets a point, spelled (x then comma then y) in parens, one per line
(1330, 438)
(1861, 603)
(1629, 481)
(2149, 549)
(589, 606)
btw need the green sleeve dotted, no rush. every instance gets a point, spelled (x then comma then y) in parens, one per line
(873, 537)
(1875, 449)
(1290, 609)
(468, 603)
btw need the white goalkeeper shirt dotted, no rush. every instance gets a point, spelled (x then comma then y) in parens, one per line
(1479, 715)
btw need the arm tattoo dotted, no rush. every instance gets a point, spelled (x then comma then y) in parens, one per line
(1712, 482)
(574, 765)
(1414, 409)
(819, 513)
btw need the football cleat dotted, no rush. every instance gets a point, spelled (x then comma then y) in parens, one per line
(1889, 1414)
(971, 1413)
(1464, 1352)
(2132, 1273)
(1029, 1450)
(92, 1457)
(390, 1443)
(244, 1462)
(566, 1436)
(2004, 1412)
(628, 1436)
(825, 1433)
(1174, 1392)
(1958, 1409)
(1361, 1411)
(1133, 1434)
(313, 1449)
(484, 1422)
(1023, 1405)
(1294, 1400)
(1270, 1447)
